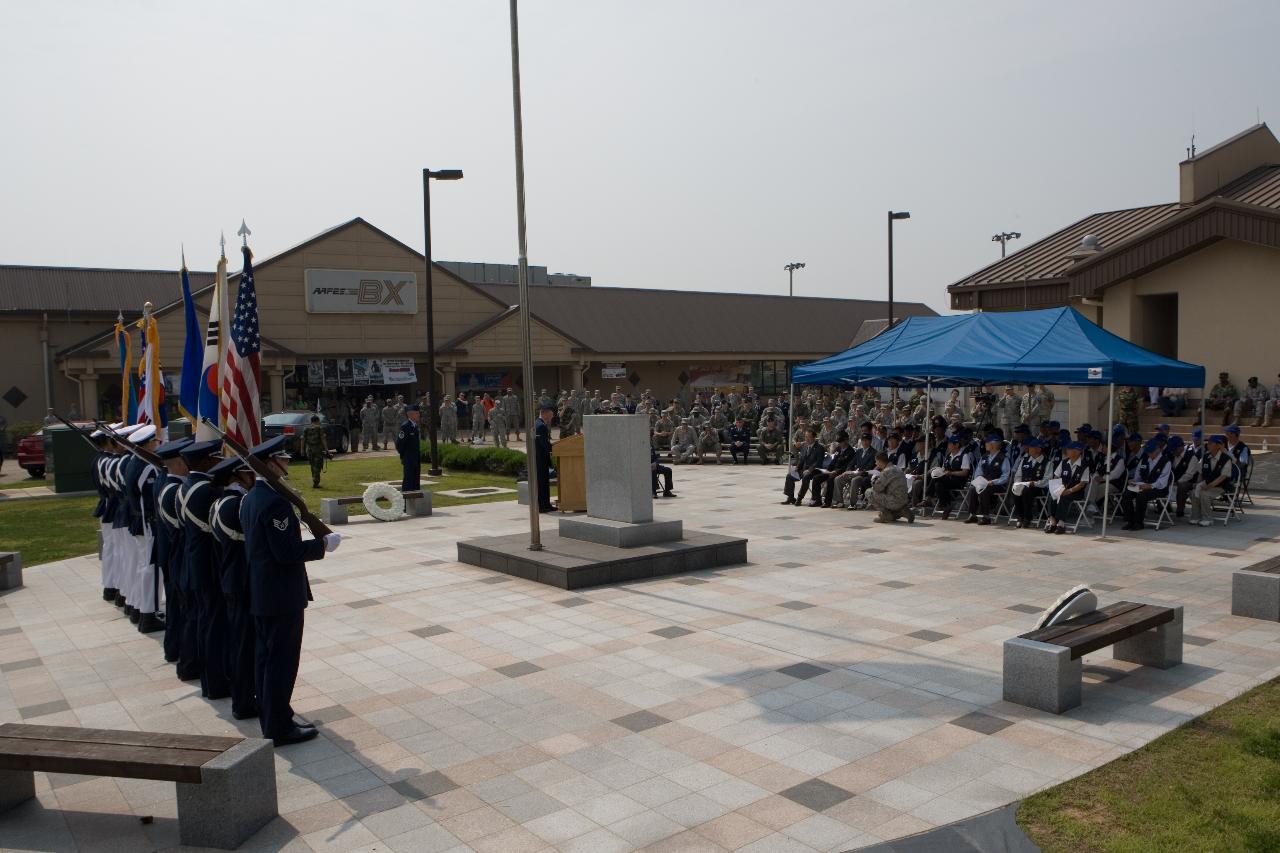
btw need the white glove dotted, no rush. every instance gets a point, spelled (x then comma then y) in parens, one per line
(331, 541)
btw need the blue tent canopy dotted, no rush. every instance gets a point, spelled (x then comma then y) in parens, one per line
(1056, 346)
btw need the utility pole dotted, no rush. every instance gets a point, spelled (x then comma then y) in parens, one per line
(1004, 237)
(791, 273)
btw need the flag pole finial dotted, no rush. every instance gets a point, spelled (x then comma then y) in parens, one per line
(222, 242)
(184, 255)
(244, 232)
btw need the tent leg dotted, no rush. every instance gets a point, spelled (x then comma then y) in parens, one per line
(791, 416)
(1106, 485)
(928, 431)
(1202, 396)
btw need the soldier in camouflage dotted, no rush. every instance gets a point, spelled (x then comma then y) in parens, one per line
(315, 448)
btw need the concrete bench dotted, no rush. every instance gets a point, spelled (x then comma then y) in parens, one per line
(10, 570)
(1255, 591)
(334, 510)
(1043, 668)
(522, 490)
(226, 785)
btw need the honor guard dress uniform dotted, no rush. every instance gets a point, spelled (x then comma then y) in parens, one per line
(278, 594)
(142, 525)
(233, 574)
(100, 486)
(409, 446)
(126, 550)
(170, 553)
(207, 632)
(1150, 480)
(542, 459)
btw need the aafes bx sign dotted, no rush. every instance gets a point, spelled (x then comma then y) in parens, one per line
(361, 292)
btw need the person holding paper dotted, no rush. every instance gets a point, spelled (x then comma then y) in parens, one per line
(1071, 473)
(990, 479)
(1032, 481)
(808, 459)
(952, 474)
(1150, 480)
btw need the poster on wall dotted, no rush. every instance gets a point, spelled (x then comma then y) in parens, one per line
(344, 372)
(331, 373)
(360, 371)
(613, 371)
(375, 372)
(719, 375)
(315, 372)
(478, 381)
(399, 371)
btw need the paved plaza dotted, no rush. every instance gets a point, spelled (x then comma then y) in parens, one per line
(841, 689)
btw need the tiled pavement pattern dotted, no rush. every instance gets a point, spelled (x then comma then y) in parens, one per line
(840, 690)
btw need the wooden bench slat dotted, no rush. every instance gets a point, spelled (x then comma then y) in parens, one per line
(1094, 637)
(161, 740)
(1270, 567)
(102, 759)
(1050, 634)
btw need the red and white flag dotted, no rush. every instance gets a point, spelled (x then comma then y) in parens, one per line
(240, 409)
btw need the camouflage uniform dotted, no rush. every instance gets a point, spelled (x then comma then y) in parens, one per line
(662, 431)
(315, 449)
(449, 422)
(770, 435)
(477, 420)
(568, 421)
(369, 418)
(498, 423)
(390, 424)
(684, 443)
(709, 442)
(1127, 402)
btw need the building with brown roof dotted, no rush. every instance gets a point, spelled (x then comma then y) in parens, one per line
(321, 343)
(1197, 279)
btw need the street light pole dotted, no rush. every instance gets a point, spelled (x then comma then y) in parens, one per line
(901, 214)
(791, 272)
(1004, 237)
(522, 289)
(427, 176)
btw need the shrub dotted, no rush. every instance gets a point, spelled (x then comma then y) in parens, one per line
(493, 460)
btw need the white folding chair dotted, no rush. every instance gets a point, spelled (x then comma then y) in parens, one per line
(1161, 508)
(1081, 508)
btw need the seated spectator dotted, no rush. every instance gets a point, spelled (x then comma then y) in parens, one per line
(1222, 397)
(770, 443)
(855, 478)
(952, 475)
(1186, 470)
(684, 443)
(1075, 481)
(1150, 480)
(708, 442)
(660, 471)
(824, 482)
(1031, 482)
(1252, 402)
(888, 494)
(808, 460)
(1218, 478)
(740, 441)
(993, 468)
(1173, 402)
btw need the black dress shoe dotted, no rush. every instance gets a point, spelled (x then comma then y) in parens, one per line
(109, 593)
(973, 519)
(149, 624)
(294, 735)
(669, 494)
(251, 714)
(302, 722)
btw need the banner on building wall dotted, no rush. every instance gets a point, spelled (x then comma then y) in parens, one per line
(331, 373)
(348, 372)
(399, 371)
(345, 373)
(360, 371)
(481, 381)
(361, 292)
(719, 375)
(613, 371)
(315, 372)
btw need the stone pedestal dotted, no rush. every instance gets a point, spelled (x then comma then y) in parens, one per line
(619, 481)
(1255, 595)
(621, 534)
(10, 570)
(1042, 676)
(234, 799)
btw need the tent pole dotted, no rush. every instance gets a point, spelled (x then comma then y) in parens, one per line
(1106, 483)
(928, 431)
(1202, 423)
(791, 416)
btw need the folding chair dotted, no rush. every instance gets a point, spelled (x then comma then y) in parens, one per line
(1228, 506)
(1161, 507)
(1245, 497)
(1081, 508)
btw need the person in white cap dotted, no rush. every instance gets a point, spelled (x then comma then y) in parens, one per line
(139, 485)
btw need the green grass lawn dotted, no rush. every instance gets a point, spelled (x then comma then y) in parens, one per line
(1211, 785)
(48, 529)
(26, 484)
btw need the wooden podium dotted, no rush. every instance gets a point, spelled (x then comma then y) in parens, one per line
(570, 453)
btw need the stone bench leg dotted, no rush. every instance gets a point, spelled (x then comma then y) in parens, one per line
(418, 506)
(522, 492)
(1255, 595)
(236, 798)
(332, 512)
(16, 787)
(11, 570)
(1041, 676)
(1160, 647)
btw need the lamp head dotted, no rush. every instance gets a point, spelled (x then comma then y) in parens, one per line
(445, 174)
(900, 214)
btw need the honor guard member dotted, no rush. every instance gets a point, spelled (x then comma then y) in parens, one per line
(409, 446)
(141, 479)
(125, 547)
(1151, 480)
(542, 456)
(233, 567)
(770, 443)
(315, 449)
(740, 441)
(207, 632)
(170, 549)
(1217, 479)
(994, 468)
(369, 418)
(684, 443)
(449, 422)
(278, 595)
(1030, 482)
(1074, 482)
(100, 441)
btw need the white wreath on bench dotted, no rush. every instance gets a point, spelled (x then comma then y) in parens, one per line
(384, 491)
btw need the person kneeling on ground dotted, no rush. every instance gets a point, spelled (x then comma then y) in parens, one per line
(888, 493)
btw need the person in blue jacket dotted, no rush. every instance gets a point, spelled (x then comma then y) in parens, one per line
(207, 631)
(235, 478)
(278, 594)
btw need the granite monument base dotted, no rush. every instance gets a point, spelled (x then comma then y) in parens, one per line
(574, 564)
(621, 534)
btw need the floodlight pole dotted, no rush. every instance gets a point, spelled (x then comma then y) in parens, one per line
(427, 177)
(526, 350)
(901, 214)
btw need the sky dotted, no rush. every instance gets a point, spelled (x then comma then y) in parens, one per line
(693, 145)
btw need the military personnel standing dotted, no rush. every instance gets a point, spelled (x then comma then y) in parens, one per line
(278, 595)
(369, 418)
(477, 419)
(401, 408)
(389, 422)
(1032, 406)
(511, 414)
(315, 448)
(770, 443)
(684, 443)
(498, 423)
(409, 446)
(449, 421)
(568, 420)
(1008, 409)
(1047, 402)
(1128, 399)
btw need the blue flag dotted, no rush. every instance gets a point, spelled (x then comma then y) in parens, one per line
(192, 356)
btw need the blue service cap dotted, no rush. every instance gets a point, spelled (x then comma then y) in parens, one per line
(1162, 427)
(1160, 437)
(955, 438)
(1054, 425)
(1096, 433)
(1152, 446)
(1073, 445)
(270, 447)
(227, 467)
(1175, 441)
(1197, 432)
(1022, 428)
(171, 449)
(1133, 436)
(1233, 429)
(1119, 429)
(1085, 427)
(1218, 438)
(993, 436)
(201, 450)
(1064, 435)
(1033, 442)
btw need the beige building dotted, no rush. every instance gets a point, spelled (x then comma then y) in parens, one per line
(343, 315)
(1197, 279)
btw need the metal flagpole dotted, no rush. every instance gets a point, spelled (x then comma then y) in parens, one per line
(1106, 478)
(526, 349)
(789, 426)
(928, 432)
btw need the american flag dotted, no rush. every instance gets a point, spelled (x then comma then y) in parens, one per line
(240, 408)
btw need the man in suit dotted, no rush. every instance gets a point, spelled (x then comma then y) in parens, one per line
(542, 456)
(278, 595)
(824, 483)
(808, 458)
(409, 446)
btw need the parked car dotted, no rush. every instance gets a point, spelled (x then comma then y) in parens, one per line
(292, 424)
(30, 451)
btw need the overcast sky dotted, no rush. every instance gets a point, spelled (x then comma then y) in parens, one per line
(692, 145)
